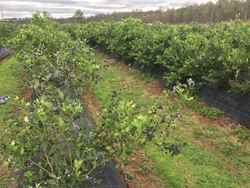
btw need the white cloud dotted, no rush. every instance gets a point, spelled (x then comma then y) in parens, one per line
(66, 8)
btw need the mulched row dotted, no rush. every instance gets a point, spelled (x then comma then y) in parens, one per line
(107, 177)
(4, 52)
(234, 105)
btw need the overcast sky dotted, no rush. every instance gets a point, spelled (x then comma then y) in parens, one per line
(66, 8)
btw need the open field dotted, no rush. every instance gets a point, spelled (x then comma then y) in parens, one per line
(141, 92)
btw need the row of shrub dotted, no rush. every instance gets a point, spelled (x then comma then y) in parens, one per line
(7, 30)
(215, 55)
(46, 144)
(47, 141)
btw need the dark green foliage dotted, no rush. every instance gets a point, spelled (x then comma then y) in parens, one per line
(215, 55)
(7, 30)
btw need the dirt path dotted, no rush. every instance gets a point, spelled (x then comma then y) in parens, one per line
(3, 61)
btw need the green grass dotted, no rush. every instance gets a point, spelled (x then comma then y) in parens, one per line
(211, 155)
(10, 85)
(10, 76)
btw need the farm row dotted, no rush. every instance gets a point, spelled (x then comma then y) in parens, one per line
(45, 140)
(215, 55)
(40, 142)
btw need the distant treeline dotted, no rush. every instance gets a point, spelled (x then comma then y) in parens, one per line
(222, 10)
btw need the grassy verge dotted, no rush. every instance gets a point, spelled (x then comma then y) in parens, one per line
(211, 155)
(10, 85)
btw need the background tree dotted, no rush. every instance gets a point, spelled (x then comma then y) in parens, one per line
(210, 12)
(79, 14)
